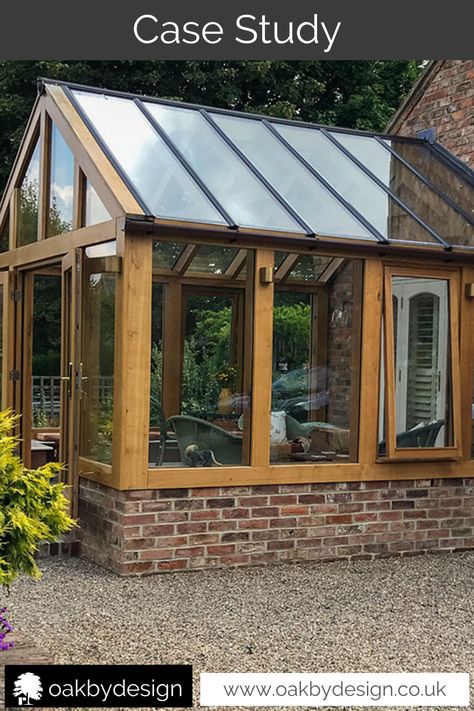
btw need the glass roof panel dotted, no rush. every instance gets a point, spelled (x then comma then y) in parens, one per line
(214, 260)
(233, 184)
(164, 185)
(408, 187)
(371, 201)
(311, 200)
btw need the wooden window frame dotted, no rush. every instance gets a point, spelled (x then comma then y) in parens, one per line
(394, 453)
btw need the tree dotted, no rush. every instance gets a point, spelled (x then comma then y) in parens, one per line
(352, 94)
(28, 685)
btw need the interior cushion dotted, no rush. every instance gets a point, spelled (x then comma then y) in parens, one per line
(278, 428)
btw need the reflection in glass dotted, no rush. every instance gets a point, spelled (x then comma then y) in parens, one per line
(46, 350)
(199, 410)
(370, 200)
(165, 254)
(157, 419)
(408, 187)
(451, 183)
(315, 340)
(5, 235)
(28, 201)
(98, 345)
(309, 267)
(213, 260)
(311, 200)
(104, 249)
(95, 210)
(236, 188)
(423, 403)
(165, 186)
(61, 191)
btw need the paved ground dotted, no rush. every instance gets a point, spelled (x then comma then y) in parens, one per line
(411, 614)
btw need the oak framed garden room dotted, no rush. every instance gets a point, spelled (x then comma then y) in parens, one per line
(209, 316)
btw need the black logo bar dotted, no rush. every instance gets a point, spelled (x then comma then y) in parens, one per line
(98, 686)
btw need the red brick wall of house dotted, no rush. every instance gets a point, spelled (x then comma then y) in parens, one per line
(447, 103)
(155, 531)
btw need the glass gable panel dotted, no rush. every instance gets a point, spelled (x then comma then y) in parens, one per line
(311, 200)
(5, 234)
(236, 188)
(405, 184)
(28, 201)
(94, 210)
(391, 220)
(61, 192)
(450, 182)
(165, 186)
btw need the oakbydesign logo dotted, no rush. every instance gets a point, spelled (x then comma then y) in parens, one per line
(27, 688)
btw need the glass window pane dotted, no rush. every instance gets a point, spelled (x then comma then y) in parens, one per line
(309, 267)
(311, 200)
(98, 345)
(28, 201)
(95, 210)
(315, 344)
(104, 249)
(423, 399)
(165, 186)
(236, 188)
(61, 193)
(46, 351)
(165, 254)
(5, 235)
(213, 260)
(391, 220)
(405, 184)
(200, 402)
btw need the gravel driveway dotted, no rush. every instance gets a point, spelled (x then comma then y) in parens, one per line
(410, 614)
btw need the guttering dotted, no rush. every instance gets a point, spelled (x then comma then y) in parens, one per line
(192, 232)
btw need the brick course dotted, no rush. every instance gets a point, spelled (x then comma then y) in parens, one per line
(446, 103)
(256, 525)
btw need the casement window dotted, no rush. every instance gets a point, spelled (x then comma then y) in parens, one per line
(420, 399)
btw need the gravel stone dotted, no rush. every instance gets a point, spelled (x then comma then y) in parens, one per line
(388, 615)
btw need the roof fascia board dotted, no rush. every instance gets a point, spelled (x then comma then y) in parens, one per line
(218, 110)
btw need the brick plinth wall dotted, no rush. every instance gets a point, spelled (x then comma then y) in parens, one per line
(187, 529)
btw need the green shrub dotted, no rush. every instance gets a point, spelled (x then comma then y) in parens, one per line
(32, 508)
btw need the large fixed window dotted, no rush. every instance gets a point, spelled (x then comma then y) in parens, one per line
(199, 410)
(98, 347)
(316, 351)
(420, 374)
